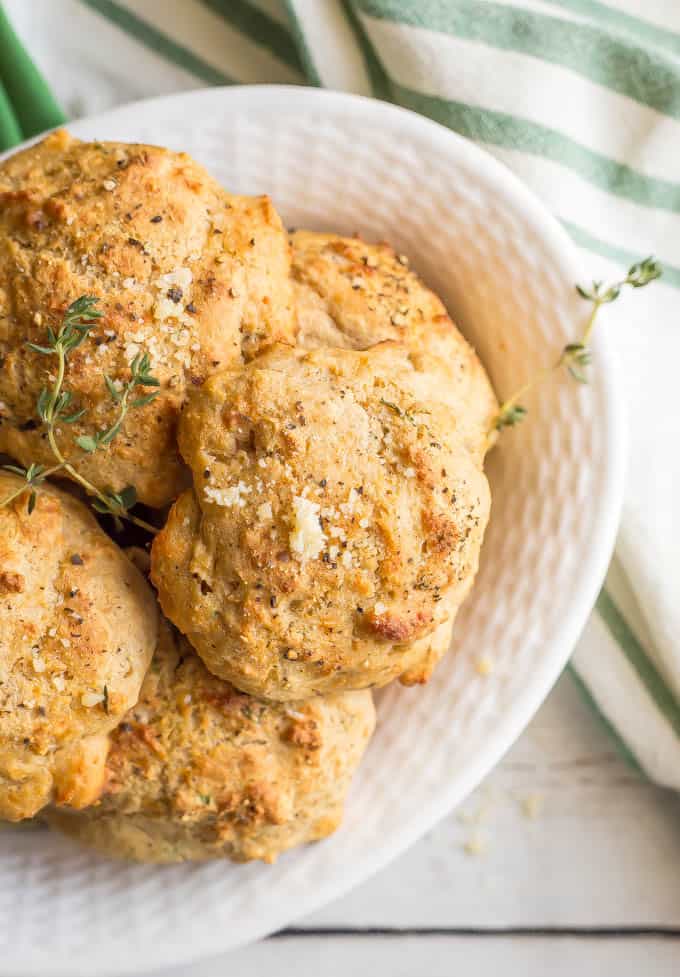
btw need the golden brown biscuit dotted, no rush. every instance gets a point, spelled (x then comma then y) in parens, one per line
(198, 770)
(184, 270)
(335, 521)
(78, 626)
(351, 294)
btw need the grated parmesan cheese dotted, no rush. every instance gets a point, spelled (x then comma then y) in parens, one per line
(179, 278)
(307, 538)
(228, 497)
(532, 806)
(348, 507)
(264, 511)
(165, 308)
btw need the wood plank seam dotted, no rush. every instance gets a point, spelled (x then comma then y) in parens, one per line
(581, 932)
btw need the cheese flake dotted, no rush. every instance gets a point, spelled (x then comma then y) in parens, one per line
(307, 537)
(228, 497)
(264, 511)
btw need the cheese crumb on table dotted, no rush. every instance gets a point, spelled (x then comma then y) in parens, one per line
(532, 805)
(476, 844)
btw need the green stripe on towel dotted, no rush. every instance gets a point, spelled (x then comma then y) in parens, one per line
(306, 55)
(641, 30)
(27, 106)
(635, 653)
(143, 32)
(258, 28)
(609, 60)
(620, 744)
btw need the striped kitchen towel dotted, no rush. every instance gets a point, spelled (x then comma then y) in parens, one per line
(581, 98)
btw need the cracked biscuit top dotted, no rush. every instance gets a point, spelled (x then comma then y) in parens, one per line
(352, 294)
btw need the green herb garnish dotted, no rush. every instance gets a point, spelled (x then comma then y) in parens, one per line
(576, 356)
(55, 406)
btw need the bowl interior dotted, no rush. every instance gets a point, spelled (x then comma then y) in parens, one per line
(507, 275)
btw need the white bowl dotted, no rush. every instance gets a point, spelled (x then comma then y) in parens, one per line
(507, 272)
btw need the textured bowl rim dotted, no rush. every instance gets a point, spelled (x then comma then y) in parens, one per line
(607, 510)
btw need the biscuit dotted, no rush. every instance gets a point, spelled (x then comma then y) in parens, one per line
(199, 771)
(193, 275)
(335, 522)
(351, 294)
(78, 626)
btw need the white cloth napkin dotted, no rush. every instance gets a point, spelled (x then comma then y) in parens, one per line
(582, 100)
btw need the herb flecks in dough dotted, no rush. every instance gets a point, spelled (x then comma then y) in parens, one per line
(576, 356)
(55, 407)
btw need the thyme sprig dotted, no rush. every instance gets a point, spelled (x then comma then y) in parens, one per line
(33, 475)
(55, 407)
(576, 356)
(140, 376)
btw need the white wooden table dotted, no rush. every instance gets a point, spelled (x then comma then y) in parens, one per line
(562, 864)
